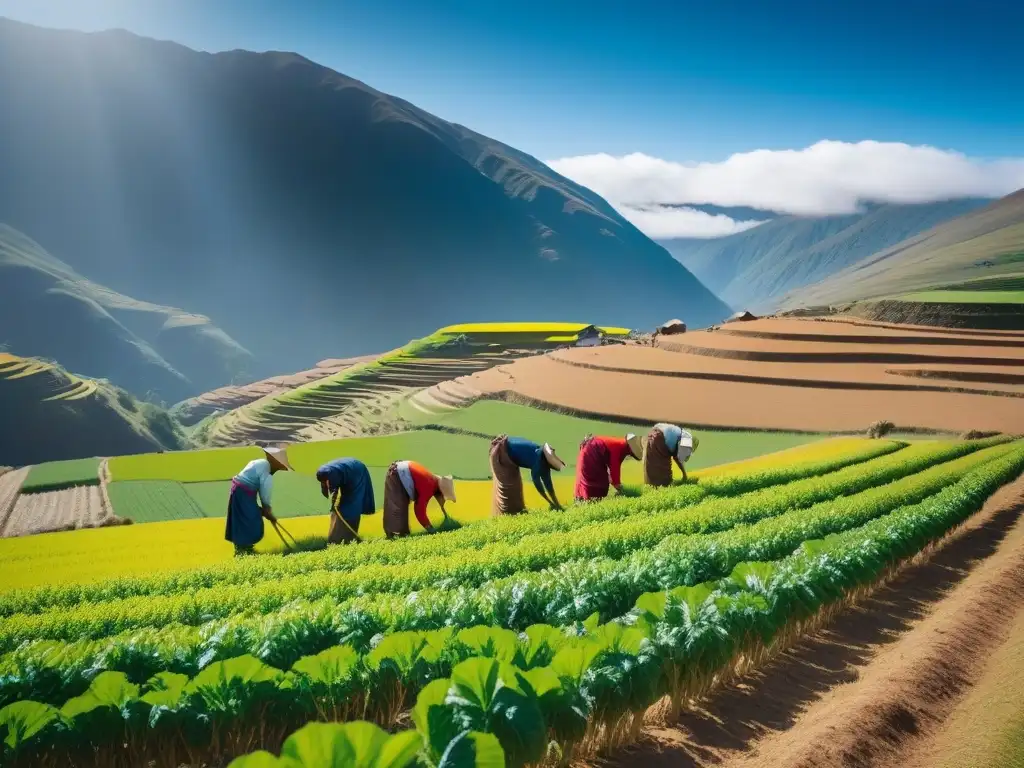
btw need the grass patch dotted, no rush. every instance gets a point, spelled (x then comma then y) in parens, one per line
(565, 432)
(150, 501)
(943, 296)
(184, 466)
(55, 475)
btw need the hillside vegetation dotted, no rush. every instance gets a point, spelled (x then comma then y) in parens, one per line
(981, 253)
(305, 212)
(48, 309)
(47, 414)
(754, 269)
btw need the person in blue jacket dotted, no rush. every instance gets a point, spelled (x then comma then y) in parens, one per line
(346, 482)
(508, 456)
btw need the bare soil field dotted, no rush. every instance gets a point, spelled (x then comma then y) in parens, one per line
(877, 686)
(10, 485)
(78, 507)
(784, 373)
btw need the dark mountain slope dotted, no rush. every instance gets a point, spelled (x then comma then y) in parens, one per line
(306, 213)
(48, 310)
(755, 268)
(986, 244)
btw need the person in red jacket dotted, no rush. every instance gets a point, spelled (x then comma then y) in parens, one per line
(600, 463)
(409, 481)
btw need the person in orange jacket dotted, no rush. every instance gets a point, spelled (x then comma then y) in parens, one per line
(409, 481)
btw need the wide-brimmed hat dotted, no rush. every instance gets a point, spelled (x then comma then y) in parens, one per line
(552, 457)
(446, 484)
(636, 446)
(278, 455)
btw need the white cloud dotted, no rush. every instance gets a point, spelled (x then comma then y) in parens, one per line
(827, 177)
(663, 223)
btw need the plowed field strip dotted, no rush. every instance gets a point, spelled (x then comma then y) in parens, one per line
(78, 507)
(791, 382)
(857, 338)
(794, 356)
(10, 485)
(862, 691)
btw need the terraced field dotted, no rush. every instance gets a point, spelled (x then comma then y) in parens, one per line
(497, 643)
(362, 398)
(783, 373)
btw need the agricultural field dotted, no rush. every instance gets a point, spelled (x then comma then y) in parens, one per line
(361, 398)
(56, 475)
(496, 643)
(783, 374)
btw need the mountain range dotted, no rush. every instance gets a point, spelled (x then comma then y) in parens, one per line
(305, 213)
(48, 310)
(973, 252)
(756, 268)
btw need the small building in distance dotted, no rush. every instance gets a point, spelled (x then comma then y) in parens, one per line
(670, 328)
(591, 336)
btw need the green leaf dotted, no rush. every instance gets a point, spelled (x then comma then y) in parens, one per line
(108, 689)
(325, 745)
(620, 639)
(494, 642)
(434, 719)
(693, 597)
(592, 621)
(260, 759)
(165, 689)
(472, 749)
(652, 603)
(23, 720)
(541, 681)
(475, 682)
(330, 667)
(399, 751)
(242, 669)
(573, 662)
(404, 649)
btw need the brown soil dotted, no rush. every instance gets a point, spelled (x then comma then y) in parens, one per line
(879, 679)
(78, 507)
(804, 385)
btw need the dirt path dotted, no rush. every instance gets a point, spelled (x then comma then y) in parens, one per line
(867, 690)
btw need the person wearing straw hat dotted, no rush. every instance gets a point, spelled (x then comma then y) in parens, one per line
(409, 481)
(508, 456)
(600, 464)
(667, 443)
(346, 482)
(245, 517)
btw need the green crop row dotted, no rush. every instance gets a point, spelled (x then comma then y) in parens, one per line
(545, 688)
(49, 671)
(472, 568)
(415, 549)
(57, 475)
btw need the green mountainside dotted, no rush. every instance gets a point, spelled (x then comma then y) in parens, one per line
(49, 310)
(754, 269)
(306, 213)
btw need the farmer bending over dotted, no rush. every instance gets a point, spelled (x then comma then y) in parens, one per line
(666, 443)
(346, 482)
(408, 481)
(600, 461)
(508, 456)
(245, 516)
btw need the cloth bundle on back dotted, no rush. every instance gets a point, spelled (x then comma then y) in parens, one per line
(508, 456)
(244, 527)
(600, 463)
(346, 481)
(408, 481)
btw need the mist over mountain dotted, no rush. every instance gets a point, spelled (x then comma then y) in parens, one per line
(755, 268)
(307, 214)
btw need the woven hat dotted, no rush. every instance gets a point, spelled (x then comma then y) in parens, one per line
(636, 447)
(278, 455)
(446, 484)
(552, 458)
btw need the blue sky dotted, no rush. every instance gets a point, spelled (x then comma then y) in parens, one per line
(680, 80)
(794, 106)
